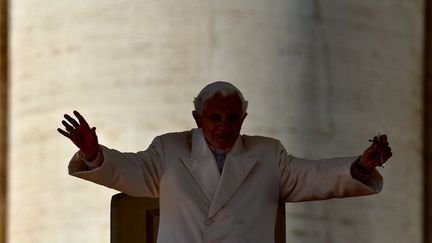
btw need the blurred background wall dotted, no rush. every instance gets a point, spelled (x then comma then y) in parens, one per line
(321, 76)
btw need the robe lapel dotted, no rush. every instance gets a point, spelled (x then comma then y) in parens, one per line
(202, 165)
(236, 168)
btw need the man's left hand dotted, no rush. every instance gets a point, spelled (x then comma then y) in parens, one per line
(377, 154)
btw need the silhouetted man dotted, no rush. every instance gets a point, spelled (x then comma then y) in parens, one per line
(216, 185)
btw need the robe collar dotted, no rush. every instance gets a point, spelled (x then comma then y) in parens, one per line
(218, 188)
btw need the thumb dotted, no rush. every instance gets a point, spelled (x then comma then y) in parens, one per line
(373, 147)
(93, 131)
(371, 150)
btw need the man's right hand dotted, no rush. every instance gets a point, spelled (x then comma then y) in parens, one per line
(81, 135)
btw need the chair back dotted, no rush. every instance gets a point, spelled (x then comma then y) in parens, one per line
(136, 220)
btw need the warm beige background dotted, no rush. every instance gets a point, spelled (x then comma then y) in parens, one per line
(322, 76)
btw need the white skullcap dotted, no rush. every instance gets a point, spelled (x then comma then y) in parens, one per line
(218, 87)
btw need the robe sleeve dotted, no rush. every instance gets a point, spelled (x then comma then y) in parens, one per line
(136, 174)
(304, 180)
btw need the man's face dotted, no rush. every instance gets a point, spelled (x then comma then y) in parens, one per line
(221, 120)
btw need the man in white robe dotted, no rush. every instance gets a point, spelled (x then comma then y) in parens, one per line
(216, 185)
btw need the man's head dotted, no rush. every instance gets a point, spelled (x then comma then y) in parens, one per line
(220, 110)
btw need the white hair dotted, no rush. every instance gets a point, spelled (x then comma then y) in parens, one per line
(219, 87)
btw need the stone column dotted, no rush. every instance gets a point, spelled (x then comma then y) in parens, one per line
(327, 76)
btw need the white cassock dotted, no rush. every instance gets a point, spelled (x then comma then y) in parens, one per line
(198, 204)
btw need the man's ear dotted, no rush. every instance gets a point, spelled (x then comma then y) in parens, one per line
(197, 118)
(244, 116)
